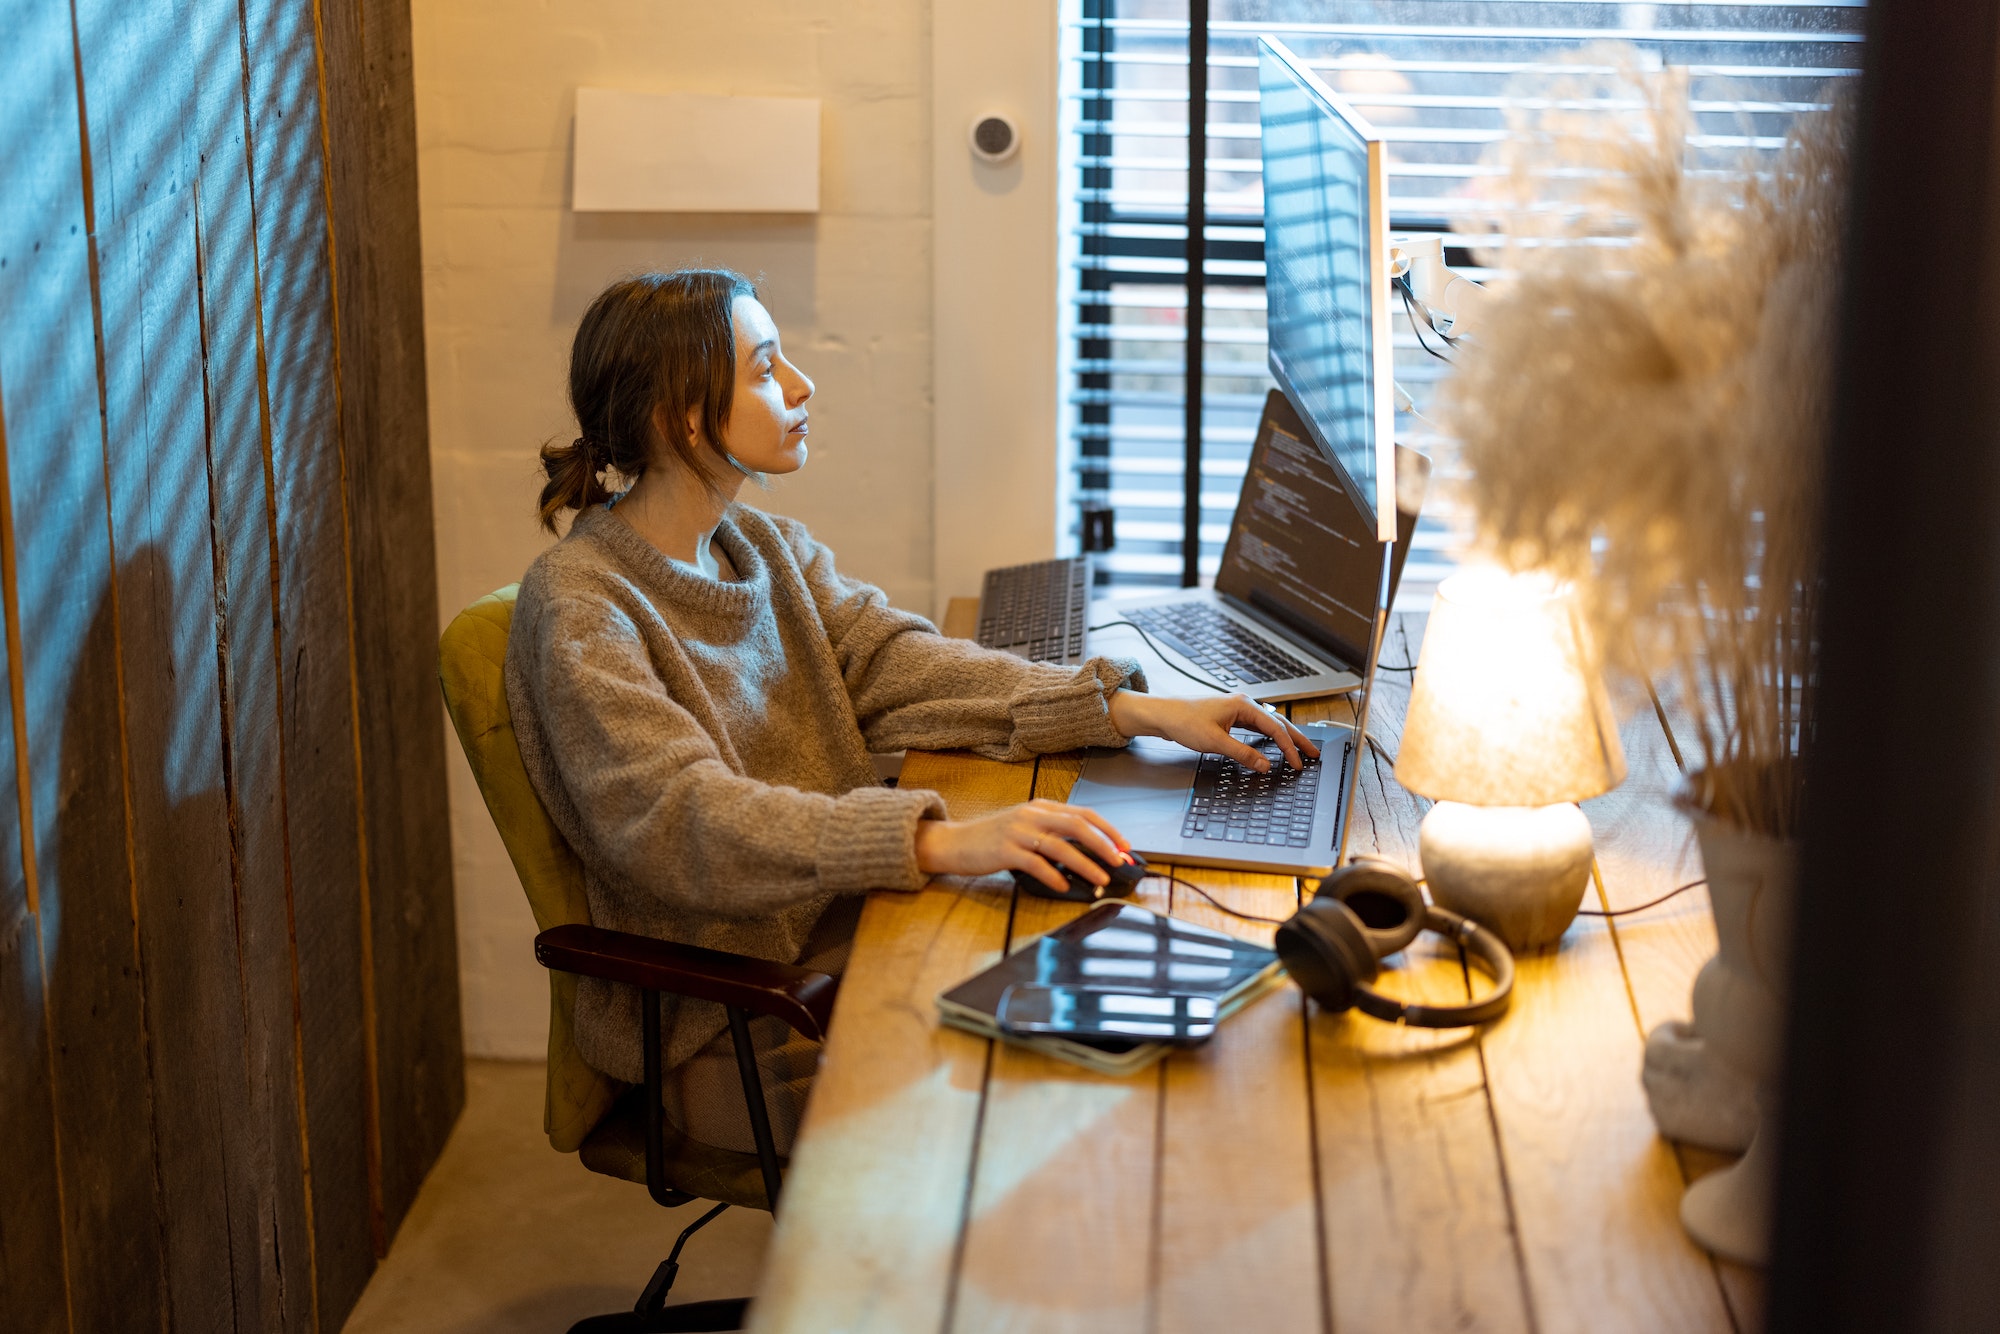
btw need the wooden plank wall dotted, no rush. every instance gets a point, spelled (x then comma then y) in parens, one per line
(229, 1030)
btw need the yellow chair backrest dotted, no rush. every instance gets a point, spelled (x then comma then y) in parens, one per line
(472, 655)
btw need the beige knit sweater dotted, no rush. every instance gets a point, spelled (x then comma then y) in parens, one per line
(703, 744)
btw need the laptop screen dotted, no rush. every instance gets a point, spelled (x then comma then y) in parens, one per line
(1301, 551)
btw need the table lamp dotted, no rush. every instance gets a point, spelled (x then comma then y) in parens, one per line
(1508, 728)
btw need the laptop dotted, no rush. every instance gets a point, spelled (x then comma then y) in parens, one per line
(1294, 602)
(1175, 805)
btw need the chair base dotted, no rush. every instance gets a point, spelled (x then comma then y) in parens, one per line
(689, 1317)
(652, 1315)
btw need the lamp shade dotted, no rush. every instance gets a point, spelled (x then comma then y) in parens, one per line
(1508, 708)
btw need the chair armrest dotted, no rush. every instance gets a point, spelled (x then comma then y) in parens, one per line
(799, 996)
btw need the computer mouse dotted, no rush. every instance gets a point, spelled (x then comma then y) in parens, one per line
(1125, 878)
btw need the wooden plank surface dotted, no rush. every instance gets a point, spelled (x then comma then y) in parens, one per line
(48, 405)
(183, 1029)
(1645, 849)
(1338, 1173)
(1418, 1221)
(961, 618)
(1063, 1177)
(1233, 1226)
(868, 1226)
(53, 320)
(385, 445)
(1237, 1237)
(318, 784)
(137, 71)
(1591, 1184)
(31, 1241)
(1062, 1186)
(273, 1264)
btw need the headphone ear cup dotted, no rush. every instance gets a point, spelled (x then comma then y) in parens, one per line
(1324, 948)
(1384, 899)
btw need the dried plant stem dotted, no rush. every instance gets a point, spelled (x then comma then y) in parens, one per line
(1645, 410)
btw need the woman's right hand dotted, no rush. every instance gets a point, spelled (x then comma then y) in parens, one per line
(1032, 838)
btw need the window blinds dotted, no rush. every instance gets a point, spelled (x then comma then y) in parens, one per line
(1434, 76)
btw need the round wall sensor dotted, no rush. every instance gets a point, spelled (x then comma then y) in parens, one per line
(993, 138)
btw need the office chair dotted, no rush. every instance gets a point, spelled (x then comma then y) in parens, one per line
(617, 1129)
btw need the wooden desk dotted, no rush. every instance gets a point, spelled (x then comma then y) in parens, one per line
(1301, 1171)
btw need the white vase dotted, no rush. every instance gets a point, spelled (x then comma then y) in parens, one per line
(1711, 1082)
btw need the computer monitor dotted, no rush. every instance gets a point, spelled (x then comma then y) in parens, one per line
(1326, 274)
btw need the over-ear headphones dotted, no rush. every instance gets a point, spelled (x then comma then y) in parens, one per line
(1366, 911)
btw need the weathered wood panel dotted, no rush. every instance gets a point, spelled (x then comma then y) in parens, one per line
(41, 262)
(137, 71)
(371, 112)
(273, 1271)
(68, 679)
(184, 933)
(314, 685)
(31, 1249)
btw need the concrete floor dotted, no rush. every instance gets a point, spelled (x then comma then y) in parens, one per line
(510, 1237)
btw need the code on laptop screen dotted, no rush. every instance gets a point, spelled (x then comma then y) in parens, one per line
(1300, 549)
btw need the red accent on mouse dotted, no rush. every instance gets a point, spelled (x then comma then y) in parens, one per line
(1125, 877)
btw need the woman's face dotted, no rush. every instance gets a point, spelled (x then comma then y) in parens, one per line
(767, 420)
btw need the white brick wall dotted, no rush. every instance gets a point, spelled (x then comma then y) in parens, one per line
(508, 270)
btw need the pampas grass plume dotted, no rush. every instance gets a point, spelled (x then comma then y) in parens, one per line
(1645, 408)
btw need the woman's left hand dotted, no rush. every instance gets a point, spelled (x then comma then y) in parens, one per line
(1203, 724)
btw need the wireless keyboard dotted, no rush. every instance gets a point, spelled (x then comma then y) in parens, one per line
(1037, 610)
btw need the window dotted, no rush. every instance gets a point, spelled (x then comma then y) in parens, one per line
(1432, 75)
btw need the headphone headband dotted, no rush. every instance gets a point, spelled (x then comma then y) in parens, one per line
(1484, 947)
(1330, 948)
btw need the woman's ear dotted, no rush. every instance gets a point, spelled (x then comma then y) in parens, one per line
(666, 442)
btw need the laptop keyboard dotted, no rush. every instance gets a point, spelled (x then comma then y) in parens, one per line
(1037, 610)
(1218, 645)
(1234, 804)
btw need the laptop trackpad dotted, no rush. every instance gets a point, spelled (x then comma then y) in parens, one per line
(1141, 789)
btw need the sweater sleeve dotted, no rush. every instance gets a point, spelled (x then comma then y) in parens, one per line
(650, 795)
(914, 688)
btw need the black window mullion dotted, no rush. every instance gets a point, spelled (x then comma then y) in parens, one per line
(1094, 453)
(1197, 245)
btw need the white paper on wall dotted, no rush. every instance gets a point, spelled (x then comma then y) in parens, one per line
(695, 153)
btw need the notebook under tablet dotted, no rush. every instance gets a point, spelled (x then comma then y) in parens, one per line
(1294, 601)
(1175, 805)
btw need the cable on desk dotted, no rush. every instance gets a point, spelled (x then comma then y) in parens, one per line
(1198, 680)
(1354, 711)
(1622, 912)
(1214, 902)
(1220, 906)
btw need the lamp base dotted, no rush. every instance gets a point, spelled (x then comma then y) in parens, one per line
(1518, 870)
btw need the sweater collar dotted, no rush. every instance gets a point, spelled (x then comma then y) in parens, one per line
(672, 581)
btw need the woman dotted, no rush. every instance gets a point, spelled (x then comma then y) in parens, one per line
(696, 691)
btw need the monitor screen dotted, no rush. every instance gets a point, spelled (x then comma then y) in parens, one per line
(1320, 265)
(1301, 550)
